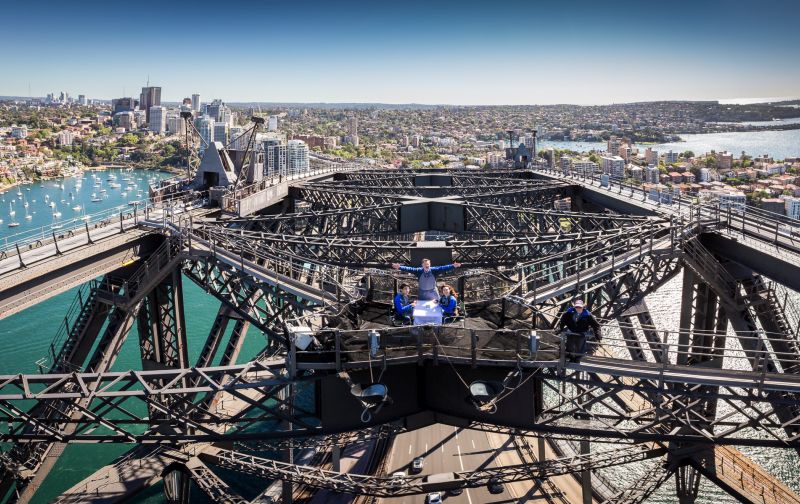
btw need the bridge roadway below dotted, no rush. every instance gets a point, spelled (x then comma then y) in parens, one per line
(453, 449)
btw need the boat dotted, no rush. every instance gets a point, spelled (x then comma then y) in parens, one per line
(11, 211)
(77, 208)
(123, 194)
(27, 215)
(52, 204)
(13, 224)
(114, 185)
(19, 193)
(96, 198)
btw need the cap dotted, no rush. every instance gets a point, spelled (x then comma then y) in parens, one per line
(577, 303)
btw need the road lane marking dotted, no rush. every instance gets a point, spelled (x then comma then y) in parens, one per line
(426, 447)
(409, 449)
(455, 429)
(461, 462)
(473, 443)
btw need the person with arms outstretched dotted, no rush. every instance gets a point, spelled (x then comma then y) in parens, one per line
(427, 277)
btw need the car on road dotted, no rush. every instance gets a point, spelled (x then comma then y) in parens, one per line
(397, 477)
(433, 498)
(417, 464)
(494, 486)
(455, 491)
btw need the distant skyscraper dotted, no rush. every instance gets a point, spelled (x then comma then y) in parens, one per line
(122, 105)
(276, 157)
(157, 121)
(297, 156)
(272, 124)
(175, 124)
(214, 108)
(614, 166)
(205, 125)
(352, 131)
(238, 141)
(196, 102)
(150, 97)
(82, 99)
(221, 132)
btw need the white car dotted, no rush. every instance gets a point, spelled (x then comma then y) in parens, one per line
(416, 465)
(397, 477)
(433, 498)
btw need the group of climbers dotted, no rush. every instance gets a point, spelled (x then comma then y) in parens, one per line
(577, 320)
(428, 291)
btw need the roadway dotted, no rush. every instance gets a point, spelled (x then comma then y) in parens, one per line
(448, 449)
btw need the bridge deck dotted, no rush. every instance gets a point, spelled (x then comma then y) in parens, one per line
(741, 476)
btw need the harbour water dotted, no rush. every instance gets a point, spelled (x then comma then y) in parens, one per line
(778, 144)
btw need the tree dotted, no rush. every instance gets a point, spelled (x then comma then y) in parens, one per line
(129, 139)
(688, 154)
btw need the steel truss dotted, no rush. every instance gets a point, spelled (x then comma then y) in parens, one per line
(413, 485)
(574, 404)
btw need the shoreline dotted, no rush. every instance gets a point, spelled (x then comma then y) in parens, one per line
(101, 168)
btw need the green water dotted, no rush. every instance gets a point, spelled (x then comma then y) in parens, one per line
(25, 336)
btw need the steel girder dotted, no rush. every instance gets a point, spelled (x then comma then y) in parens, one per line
(362, 221)
(266, 306)
(413, 485)
(492, 218)
(573, 404)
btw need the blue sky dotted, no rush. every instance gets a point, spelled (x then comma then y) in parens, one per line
(456, 52)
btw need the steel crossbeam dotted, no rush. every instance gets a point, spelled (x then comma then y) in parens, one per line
(413, 485)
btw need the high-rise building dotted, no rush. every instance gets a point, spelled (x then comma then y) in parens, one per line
(150, 97)
(793, 207)
(238, 141)
(652, 175)
(195, 103)
(214, 108)
(705, 175)
(82, 100)
(651, 156)
(352, 131)
(275, 157)
(205, 126)
(65, 138)
(613, 145)
(157, 119)
(221, 132)
(671, 157)
(614, 166)
(297, 156)
(122, 105)
(140, 118)
(272, 123)
(175, 124)
(125, 120)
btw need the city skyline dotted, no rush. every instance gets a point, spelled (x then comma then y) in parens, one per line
(573, 52)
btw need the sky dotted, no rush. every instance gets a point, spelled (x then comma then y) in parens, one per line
(410, 51)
